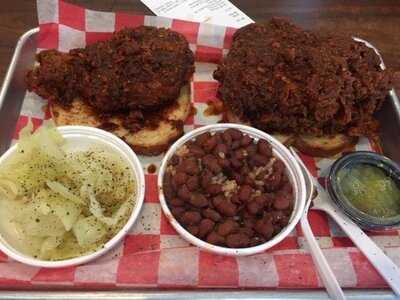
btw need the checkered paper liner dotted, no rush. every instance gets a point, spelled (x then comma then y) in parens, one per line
(153, 254)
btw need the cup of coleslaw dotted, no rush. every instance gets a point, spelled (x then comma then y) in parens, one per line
(59, 204)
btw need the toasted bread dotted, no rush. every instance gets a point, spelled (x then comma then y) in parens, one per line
(230, 117)
(324, 146)
(147, 141)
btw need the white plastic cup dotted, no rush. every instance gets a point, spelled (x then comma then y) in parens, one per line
(295, 175)
(81, 138)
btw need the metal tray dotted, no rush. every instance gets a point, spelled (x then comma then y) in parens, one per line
(11, 97)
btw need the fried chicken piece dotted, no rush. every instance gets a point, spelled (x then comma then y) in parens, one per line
(283, 79)
(137, 69)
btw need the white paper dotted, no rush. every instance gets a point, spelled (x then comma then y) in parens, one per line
(220, 12)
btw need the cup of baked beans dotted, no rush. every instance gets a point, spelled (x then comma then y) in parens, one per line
(231, 189)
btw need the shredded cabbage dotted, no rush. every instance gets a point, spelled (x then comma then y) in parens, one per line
(63, 191)
(97, 211)
(58, 204)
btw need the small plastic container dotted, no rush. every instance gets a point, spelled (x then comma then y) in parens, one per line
(80, 138)
(293, 170)
(350, 160)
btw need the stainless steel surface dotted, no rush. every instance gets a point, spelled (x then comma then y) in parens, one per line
(199, 294)
(389, 118)
(11, 97)
(13, 90)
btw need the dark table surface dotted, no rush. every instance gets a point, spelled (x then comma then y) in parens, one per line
(377, 21)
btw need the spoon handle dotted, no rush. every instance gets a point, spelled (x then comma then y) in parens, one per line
(383, 264)
(324, 270)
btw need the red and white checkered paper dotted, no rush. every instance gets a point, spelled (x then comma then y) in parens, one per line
(153, 254)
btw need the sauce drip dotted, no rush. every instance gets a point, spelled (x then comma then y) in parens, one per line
(214, 108)
(151, 169)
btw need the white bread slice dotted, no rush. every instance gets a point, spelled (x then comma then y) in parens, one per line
(147, 141)
(324, 146)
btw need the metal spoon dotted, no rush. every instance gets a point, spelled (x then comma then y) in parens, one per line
(324, 270)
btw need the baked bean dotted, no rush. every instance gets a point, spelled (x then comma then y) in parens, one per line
(245, 193)
(235, 144)
(279, 166)
(224, 163)
(190, 166)
(251, 149)
(215, 167)
(249, 220)
(277, 228)
(205, 227)
(218, 200)
(263, 199)
(209, 145)
(211, 163)
(281, 202)
(214, 189)
(246, 231)
(227, 138)
(246, 140)
(234, 133)
(227, 227)
(167, 188)
(218, 136)
(254, 208)
(190, 217)
(265, 228)
(278, 217)
(260, 160)
(202, 138)
(284, 220)
(221, 150)
(227, 208)
(240, 154)
(215, 239)
(193, 183)
(193, 229)
(198, 200)
(287, 187)
(211, 214)
(206, 177)
(272, 182)
(235, 163)
(177, 211)
(184, 193)
(237, 240)
(179, 178)
(248, 181)
(176, 202)
(264, 148)
(196, 151)
(235, 199)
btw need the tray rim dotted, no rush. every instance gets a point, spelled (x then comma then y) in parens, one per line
(301, 294)
(132, 293)
(11, 69)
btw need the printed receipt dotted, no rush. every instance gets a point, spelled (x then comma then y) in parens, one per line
(220, 12)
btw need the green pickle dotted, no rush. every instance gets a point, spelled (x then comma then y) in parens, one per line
(371, 190)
